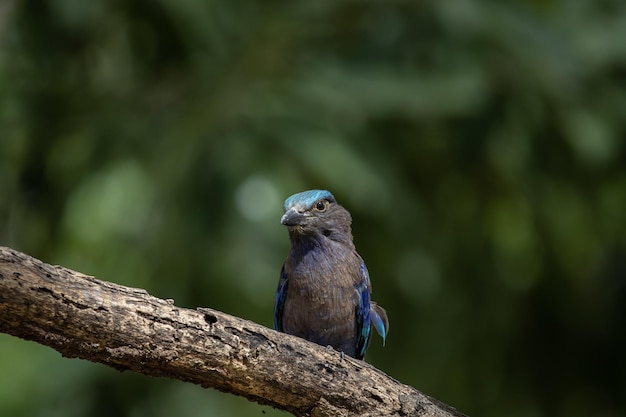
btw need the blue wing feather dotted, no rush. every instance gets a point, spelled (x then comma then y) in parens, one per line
(363, 314)
(279, 303)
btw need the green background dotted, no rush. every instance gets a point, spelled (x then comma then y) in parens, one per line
(479, 146)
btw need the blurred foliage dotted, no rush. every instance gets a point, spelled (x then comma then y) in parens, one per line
(479, 146)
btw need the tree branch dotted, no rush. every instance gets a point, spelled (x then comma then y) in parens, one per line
(128, 329)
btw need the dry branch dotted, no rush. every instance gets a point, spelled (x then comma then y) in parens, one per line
(128, 329)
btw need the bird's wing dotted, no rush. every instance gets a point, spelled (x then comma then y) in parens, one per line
(363, 313)
(376, 315)
(279, 303)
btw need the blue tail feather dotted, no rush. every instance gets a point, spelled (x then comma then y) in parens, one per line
(378, 317)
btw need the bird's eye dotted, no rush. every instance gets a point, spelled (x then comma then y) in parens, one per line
(321, 205)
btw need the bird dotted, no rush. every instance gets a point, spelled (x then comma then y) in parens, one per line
(324, 289)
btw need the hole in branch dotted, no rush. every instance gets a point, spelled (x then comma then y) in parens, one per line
(209, 318)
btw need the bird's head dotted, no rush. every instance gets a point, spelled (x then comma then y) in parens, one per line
(315, 211)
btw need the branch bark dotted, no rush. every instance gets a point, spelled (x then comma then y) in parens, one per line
(128, 329)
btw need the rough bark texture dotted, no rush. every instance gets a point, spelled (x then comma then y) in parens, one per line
(128, 329)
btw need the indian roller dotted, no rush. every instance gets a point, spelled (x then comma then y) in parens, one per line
(324, 288)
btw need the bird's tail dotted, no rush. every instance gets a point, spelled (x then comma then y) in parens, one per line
(379, 319)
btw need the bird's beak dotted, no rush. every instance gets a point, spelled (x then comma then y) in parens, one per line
(292, 217)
